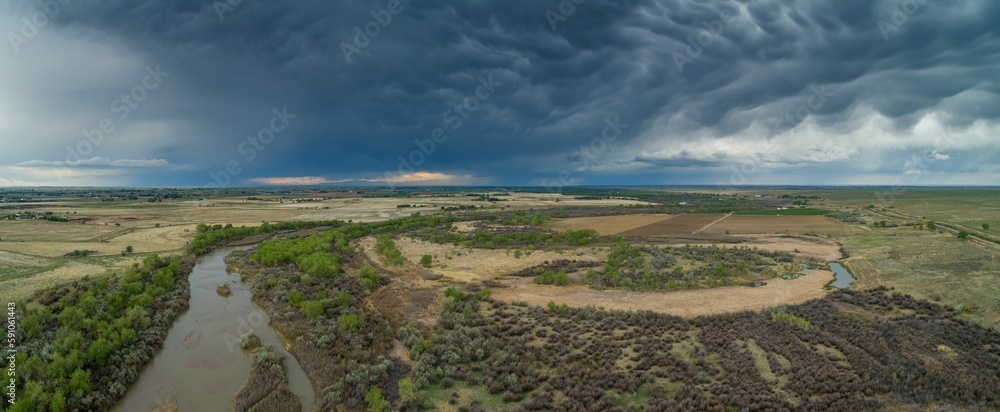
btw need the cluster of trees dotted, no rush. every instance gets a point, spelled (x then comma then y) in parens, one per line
(549, 277)
(523, 217)
(29, 215)
(503, 237)
(387, 248)
(647, 268)
(343, 345)
(849, 351)
(312, 254)
(883, 223)
(556, 266)
(82, 345)
(211, 236)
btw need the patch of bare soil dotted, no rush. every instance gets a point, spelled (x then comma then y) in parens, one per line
(690, 303)
(683, 224)
(812, 248)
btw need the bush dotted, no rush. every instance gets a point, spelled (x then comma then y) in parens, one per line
(553, 278)
(311, 308)
(454, 293)
(426, 261)
(963, 235)
(376, 403)
(792, 320)
(295, 297)
(351, 322)
(249, 340)
(369, 277)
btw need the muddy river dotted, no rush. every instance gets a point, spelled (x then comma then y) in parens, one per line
(202, 366)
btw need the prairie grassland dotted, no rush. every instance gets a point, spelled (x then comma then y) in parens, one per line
(64, 271)
(966, 206)
(15, 265)
(932, 266)
(44, 231)
(469, 265)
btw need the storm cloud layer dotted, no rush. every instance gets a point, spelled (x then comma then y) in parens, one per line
(506, 92)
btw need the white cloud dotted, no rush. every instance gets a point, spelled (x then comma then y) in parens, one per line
(100, 162)
(290, 181)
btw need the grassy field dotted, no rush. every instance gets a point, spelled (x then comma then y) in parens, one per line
(929, 265)
(969, 207)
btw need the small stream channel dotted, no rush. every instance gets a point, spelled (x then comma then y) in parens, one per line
(202, 365)
(844, 277)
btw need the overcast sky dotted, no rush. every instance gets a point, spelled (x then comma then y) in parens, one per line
(499, 92)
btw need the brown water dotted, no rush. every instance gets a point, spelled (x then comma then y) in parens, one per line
(201, 365)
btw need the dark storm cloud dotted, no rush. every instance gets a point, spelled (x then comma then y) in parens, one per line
(631, 59)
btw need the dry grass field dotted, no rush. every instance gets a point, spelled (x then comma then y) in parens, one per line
(605, 225)
(690, 303)
(783, 224)
(476, 265)
(678, 225)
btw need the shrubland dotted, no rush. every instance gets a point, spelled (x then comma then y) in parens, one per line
(81, 345)
(649, 268)
(853, 350)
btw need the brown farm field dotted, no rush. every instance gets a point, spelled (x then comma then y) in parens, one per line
(783, 224)
(606, 225)
(678, 225)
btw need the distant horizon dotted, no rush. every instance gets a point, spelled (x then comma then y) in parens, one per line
(401, 187)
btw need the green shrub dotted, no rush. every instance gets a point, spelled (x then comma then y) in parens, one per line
(454, 293)
(426, 261)
(369, 277)
(311, 308)
(376, 403)
(792, 320)
(552, 278)
(295, 297)
(351, 322)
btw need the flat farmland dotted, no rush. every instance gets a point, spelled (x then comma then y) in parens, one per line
(37, 230)
(783, 224)
(606, 225)
(678, 225)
